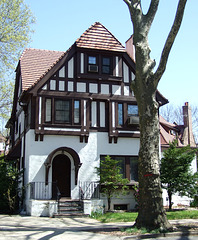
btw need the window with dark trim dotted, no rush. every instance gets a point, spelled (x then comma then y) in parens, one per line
(62, 111)
(120, 114)
(132, 110)
(65, 111)
(106, 65)
(76, 111)
(92, 64)
(128, 165)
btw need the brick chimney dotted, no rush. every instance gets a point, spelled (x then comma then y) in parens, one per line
(188, 137)
(130, 48)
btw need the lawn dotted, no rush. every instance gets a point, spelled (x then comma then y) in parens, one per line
(131, 216)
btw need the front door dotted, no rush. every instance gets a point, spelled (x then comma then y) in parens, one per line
(61, 174)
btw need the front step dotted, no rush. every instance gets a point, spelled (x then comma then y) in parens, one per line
(69, 208)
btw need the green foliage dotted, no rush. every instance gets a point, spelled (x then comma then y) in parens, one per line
(111, 180)
(176, 174)
(15, 21)
(9, 177)
(131, 216)
(15, 28)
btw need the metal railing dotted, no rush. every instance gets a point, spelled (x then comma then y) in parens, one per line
(89, 190)
(43, 191)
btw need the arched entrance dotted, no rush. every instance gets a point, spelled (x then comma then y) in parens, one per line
(61, 174)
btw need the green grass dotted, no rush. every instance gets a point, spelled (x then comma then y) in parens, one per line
(131, 216)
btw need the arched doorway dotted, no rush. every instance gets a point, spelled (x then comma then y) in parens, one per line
(61, 174)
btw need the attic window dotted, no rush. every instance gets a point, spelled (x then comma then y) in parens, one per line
(106, 65)
(92, 64)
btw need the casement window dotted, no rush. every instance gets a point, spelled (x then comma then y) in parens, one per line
(128, 166)
(106, 65)
(120, 114)
(92, 64)
(132, 115)
(76, 112)
(48, 110)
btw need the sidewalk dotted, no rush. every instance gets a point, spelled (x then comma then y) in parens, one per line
(25, 227)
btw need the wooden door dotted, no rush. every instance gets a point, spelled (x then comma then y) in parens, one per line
(61, 174)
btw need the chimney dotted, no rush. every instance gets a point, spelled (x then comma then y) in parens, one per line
(188, 132)
(130, 48)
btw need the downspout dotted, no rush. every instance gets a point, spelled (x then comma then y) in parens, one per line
(24, 106)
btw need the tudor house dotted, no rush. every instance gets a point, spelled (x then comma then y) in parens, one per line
(71, 109)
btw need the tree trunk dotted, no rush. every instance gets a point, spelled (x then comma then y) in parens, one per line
(170, 200)
(151, 212)
(109, 203)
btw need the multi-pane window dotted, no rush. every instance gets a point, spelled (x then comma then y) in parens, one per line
(128, 166)
(106, 65)
(48, 110)
(134, 168)
(76, 111)
(62, 110)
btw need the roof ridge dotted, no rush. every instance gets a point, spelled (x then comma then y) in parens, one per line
(79, 41)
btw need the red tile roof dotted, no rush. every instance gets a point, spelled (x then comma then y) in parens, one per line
(35, 63)
(98, 37)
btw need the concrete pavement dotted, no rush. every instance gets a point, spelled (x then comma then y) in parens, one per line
(29, 228)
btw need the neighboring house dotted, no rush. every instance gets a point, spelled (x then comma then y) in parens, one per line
(2, 144)
(184, 135)
(71, 109)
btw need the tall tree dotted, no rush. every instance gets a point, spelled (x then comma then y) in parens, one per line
(151, 212)
(15, 28)
(176, 172)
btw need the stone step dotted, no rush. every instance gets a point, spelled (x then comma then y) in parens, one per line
(70, 215)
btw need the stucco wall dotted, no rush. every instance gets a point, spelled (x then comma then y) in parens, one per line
(89, 154)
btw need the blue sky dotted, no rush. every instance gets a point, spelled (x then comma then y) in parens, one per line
(59, 23)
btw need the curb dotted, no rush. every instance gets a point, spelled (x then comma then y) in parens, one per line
(157, 235)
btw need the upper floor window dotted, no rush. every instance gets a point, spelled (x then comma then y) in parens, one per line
(65, 111)
(92, 64)
(120, 114)
(106, 63)
(62, 110)
(133, 118)
(132, 110)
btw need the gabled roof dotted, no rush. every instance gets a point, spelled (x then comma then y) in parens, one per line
(98, 37)
(35, 63)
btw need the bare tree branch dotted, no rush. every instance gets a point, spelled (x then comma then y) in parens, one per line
(151, 12)
(170, 40)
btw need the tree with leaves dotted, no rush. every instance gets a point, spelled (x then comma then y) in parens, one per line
(176, 172)
(151, 212)
(111, 180)
(15, 28)
(9, 180)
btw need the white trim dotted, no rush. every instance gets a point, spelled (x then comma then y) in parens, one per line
(113, 114)
(82, 63)
(62, 129)
(85, 112)
(40, 108)
(117, 66)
